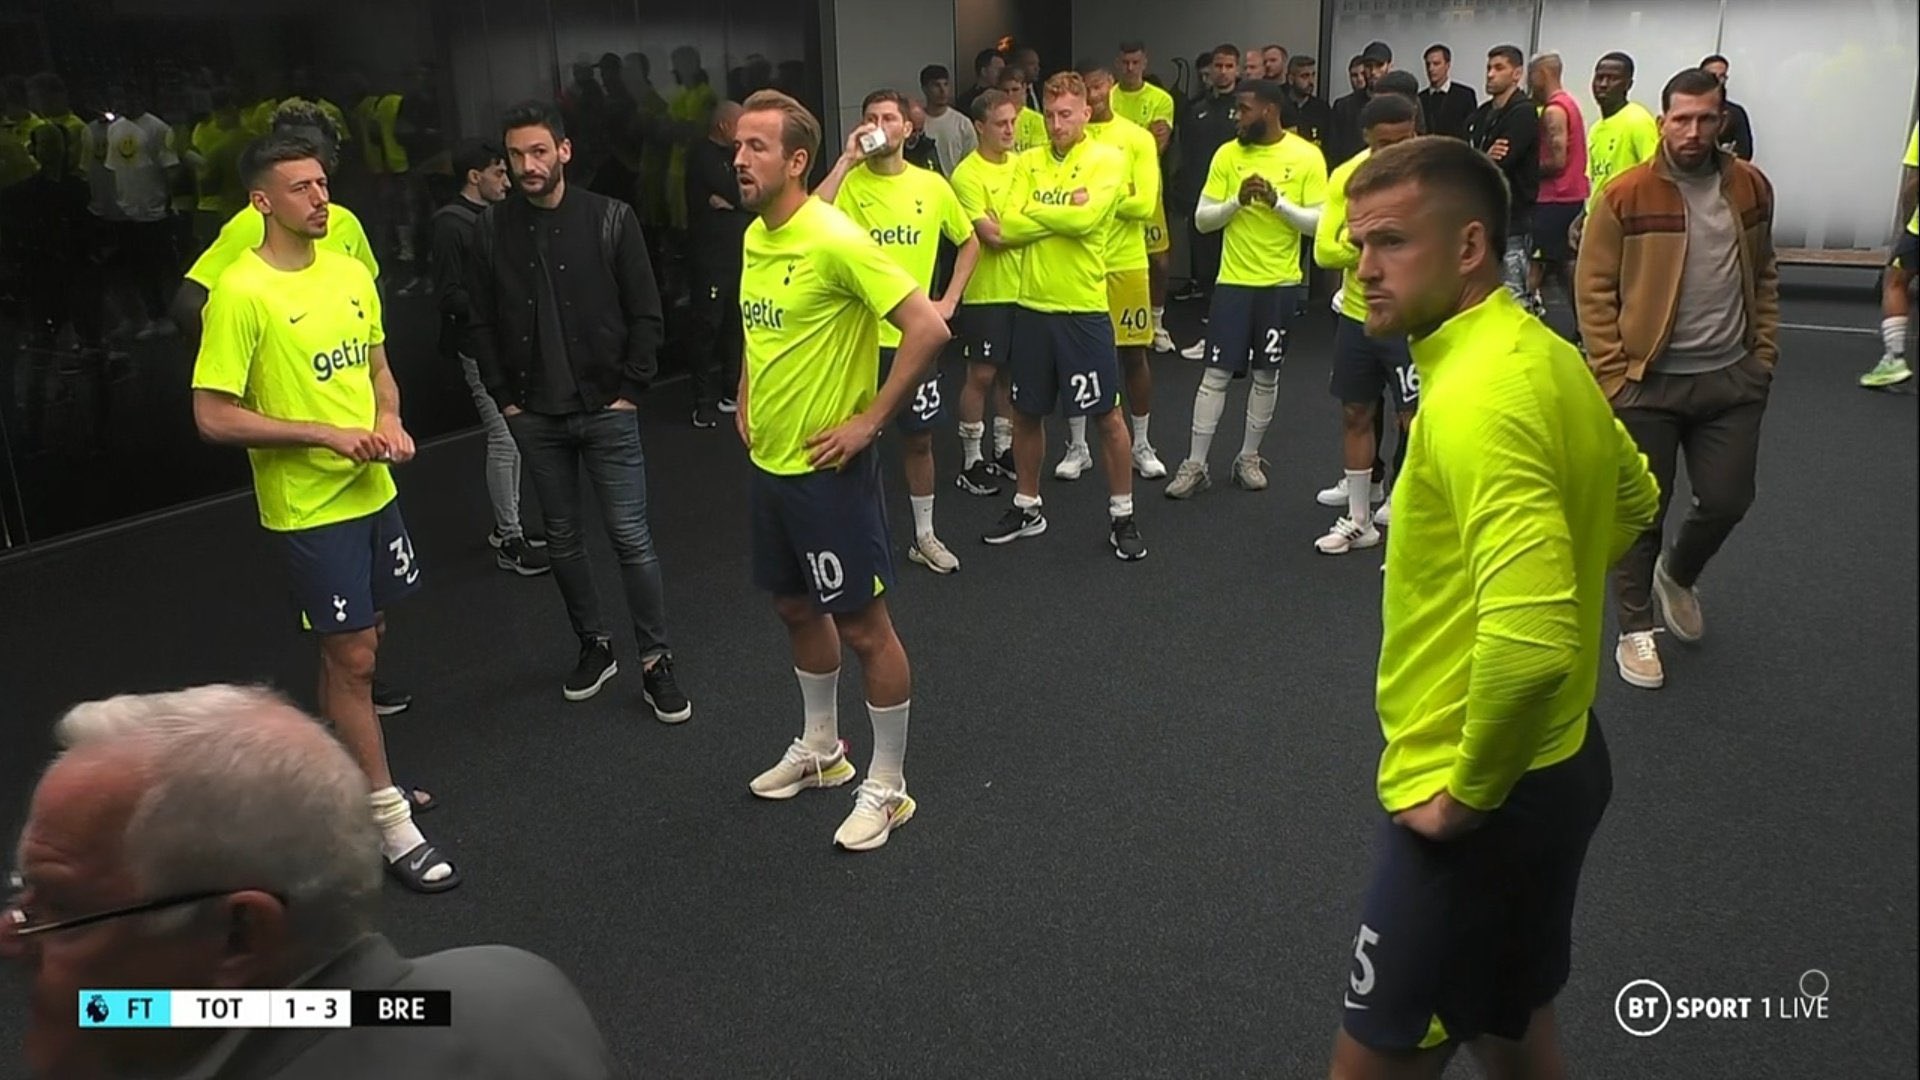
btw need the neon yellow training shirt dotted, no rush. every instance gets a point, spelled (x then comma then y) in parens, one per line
(1064, 269)
(811, 296)
(1617, 143)
(1520, 491)
(1332, 249)
(1260, 248)
(297, 346)
(983, 189)
(247, 230)
(906, 215)
(1143, 106)
(1126, 237)
(1029, 130)
(1912, 161)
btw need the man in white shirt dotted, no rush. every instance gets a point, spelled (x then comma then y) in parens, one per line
(952, 132)
(138, 155)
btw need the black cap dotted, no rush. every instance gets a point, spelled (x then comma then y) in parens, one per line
(1264, 90)
(1377, 51)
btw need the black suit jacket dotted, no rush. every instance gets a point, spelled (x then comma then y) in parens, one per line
(1446, 114)
(1738, 137)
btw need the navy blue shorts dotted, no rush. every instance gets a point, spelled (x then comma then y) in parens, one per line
(1065, 357)
(1550, 224)
(985, 332)
(1906, 252)
(1366, 367)
(927, 405)
(344, 575)
(823, 535)
(1247, 325)
(1468, 937)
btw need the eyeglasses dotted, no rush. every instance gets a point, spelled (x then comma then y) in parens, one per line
(19, 922)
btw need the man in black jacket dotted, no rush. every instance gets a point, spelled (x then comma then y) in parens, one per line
(1213, 123)
(1737, 135)
(1311, 115)
(482, 170)
(1445, 104)
(716, 224)
(1507, 129)
(565, 324)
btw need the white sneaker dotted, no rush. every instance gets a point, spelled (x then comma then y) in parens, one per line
(1347, 536)
(1195, 351)
(1146, 462)
(1383, 514)
(1639, 660)
(1078, 460)
(1339, 301)
(803, 767)
(877, 811)
(1162, 341)
(1337, 494)
(929, 552)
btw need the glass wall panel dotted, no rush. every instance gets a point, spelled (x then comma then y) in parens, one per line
(1409, 27)
(1661, 37)
(120, 125)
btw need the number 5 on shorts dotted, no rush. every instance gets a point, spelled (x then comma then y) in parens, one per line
(1362, 978)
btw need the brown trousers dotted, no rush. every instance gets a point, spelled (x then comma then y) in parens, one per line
(1715, 418)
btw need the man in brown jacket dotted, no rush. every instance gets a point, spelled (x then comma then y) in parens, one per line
(1679, 300)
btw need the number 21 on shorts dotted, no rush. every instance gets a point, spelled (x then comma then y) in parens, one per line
(1086, 389)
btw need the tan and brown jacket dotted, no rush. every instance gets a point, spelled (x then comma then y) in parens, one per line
(1627, 281)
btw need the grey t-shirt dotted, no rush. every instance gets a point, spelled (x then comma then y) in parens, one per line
(1710, 323)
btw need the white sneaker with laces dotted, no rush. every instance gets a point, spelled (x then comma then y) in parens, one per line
(1146, 462)
(877, 811)
(1078, 460)
(1639, 660)
(1162, 341)
(929, 552)
(1383, 515)
(1195, 351)
(1337, 494)
(803, 767)
(1346, 535)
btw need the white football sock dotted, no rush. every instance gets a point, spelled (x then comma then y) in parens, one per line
(1140, 431)
(1076, 431)
(970, 436)
(820, 703)
(1026, 502)
(1002, 435)
(922, 515)
(1893, 331)
(1159, 319)
(1208, 403)
(1260, 402)
(1119, 506)
(1360, 496)
(398, 834)
(889, 744)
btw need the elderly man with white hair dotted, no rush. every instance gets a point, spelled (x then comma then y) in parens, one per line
(217, 838)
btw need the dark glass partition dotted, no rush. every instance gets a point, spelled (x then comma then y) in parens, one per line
(121, 120)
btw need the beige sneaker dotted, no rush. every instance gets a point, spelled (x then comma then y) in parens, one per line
(1639, 660)
(1189, 479)
(803, 767)
(877, 811)
(1679, 606)
(1250, 472)
(929, 552)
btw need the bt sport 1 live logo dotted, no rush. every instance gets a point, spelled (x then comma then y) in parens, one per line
(1644, 1008)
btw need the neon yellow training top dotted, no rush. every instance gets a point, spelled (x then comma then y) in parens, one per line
(1126, 237)
(1143, 106)
(1912, 161)
(1520, 492)
(906, 215)
(297, 346)
(1029, 130)
(1065, 268)
(983, 189)
(247, 230)
(1617, 143)
(1332, 248)
(1260, 248)
(812, 294)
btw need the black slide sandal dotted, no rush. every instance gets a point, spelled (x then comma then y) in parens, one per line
(419, 800)
(410, 870)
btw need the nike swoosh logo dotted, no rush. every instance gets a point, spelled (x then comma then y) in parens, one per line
(832, 596)
(1352, 1004)
(296, 318)
(416, 864)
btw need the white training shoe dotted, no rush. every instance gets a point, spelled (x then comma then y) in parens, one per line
(929, 552)
(1346, 535)
(1337, 494)
(1146, 462)
(877, 811)
(1162, 341)
(1078, 460)
(803, 767)
(1639, 660)
(1383, 514)
(1195, 351)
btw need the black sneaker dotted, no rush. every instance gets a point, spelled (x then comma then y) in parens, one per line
(1189, 292)
(705, 416)
(662, 692)
(1126, 541)
(596, 666)
(497, 539)
(1017, 522)
(388, 701)
(522, 558)
(977, 479)
(1003, 465)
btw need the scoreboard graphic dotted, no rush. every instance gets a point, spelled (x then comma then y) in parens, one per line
(264, 1008)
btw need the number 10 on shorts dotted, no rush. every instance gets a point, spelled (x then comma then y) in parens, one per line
(829, 577)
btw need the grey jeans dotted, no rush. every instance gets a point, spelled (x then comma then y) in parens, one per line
(1715, 419)
(503, 457)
